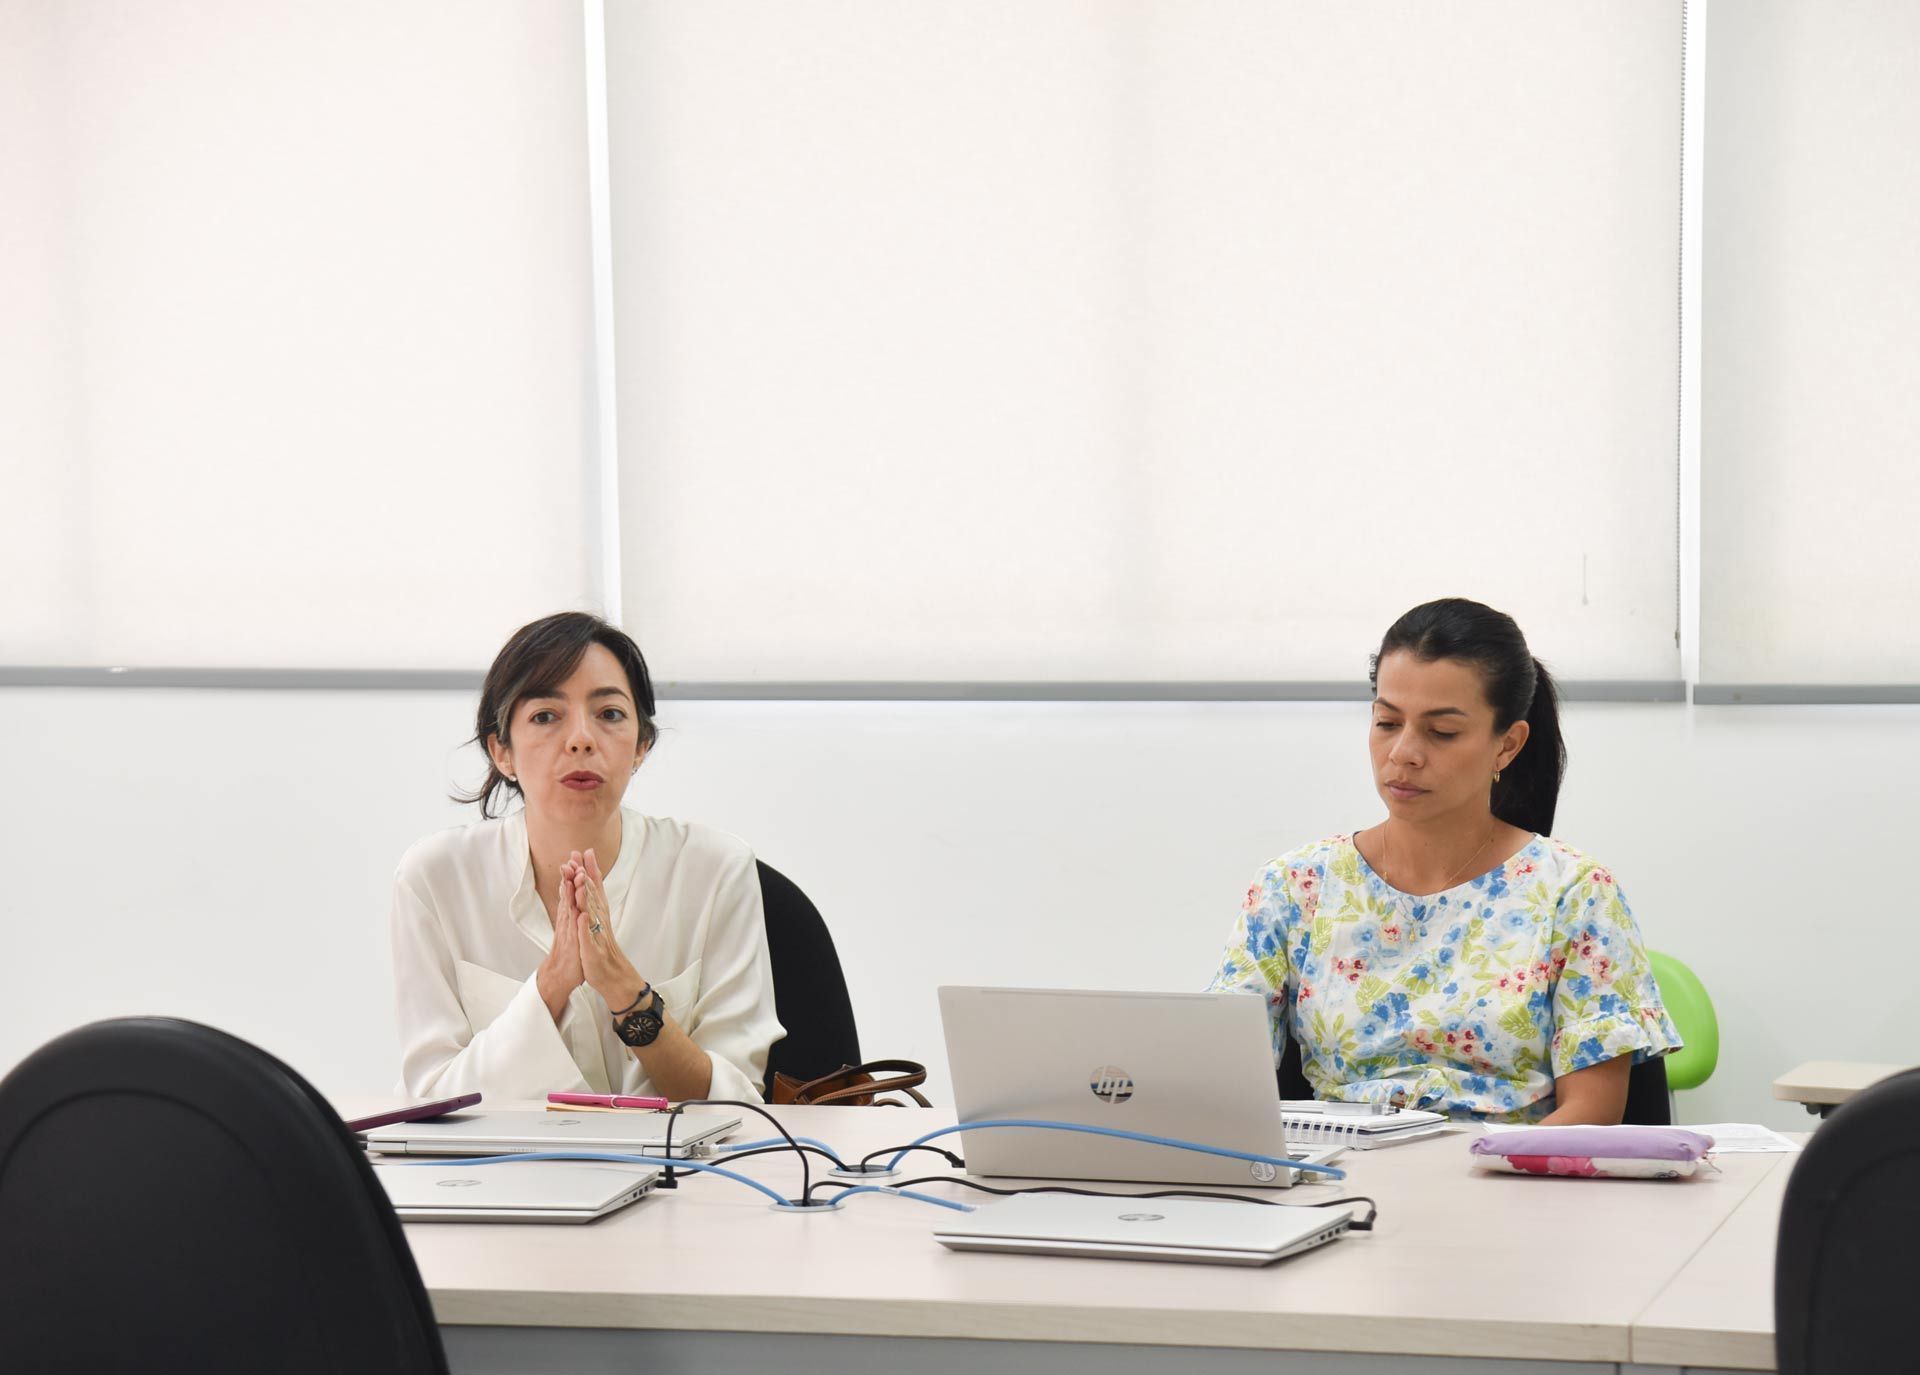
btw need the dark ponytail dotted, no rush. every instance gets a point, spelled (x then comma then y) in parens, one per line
(1529, 787)
(1518, 686)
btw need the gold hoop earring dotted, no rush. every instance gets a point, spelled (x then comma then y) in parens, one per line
(1496, 775)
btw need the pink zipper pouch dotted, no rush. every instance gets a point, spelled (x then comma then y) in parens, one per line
(1593, 1152)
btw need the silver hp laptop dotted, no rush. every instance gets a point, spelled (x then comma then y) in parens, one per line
(1184, 1229)
(528, 1131)
(513, 1191)
(1196, 1066)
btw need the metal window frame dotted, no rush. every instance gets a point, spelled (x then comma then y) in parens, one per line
(403, 680)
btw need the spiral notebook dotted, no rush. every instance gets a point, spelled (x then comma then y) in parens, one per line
(1360, 1125)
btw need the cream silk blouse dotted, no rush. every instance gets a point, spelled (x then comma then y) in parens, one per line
(470, 931)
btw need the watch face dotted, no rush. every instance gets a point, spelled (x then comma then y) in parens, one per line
(641, 1028)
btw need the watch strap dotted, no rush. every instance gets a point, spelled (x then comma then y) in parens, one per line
(638, 998)
(640, 1026)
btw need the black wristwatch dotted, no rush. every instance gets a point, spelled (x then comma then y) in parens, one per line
(642, 1021)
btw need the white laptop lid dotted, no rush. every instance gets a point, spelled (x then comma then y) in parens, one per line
(1182, 1228)
(1196, 1066)
(531, 1188)
(509, 1132)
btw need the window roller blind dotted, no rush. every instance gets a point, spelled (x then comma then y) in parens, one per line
(292, 367)
(1058, 341)
(1809, 415)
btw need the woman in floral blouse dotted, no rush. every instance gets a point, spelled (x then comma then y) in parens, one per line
(1454, 957)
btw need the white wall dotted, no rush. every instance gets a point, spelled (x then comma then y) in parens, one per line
(226, 855)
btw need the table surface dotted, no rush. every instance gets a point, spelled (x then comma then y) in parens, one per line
(1718, 1310)
(1830, 1081)
(1460, 1263)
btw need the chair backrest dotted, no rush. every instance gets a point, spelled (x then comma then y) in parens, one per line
(1647, 1104)
(1293, 1074)
(172, 1197)
(809, 990)
(1692, 1011)
(1843, 1273)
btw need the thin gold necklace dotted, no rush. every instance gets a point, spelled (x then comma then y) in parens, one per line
(1386, 853)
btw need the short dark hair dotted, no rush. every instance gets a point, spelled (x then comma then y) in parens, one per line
(534, 662)
(1518, 687)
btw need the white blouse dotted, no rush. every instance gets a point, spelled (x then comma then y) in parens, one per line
(470, 931)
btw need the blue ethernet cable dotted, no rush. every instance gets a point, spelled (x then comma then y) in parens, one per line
(617, 1158)
(738, 1178)
(772, 1141)
(1328, 1170)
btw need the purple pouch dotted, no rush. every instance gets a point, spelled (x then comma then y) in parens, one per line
(1593, 1152)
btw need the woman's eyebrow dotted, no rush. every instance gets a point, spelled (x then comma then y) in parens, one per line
(605, 692)
(1437, 711)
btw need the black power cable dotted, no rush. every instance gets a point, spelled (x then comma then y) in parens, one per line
(806, 1174)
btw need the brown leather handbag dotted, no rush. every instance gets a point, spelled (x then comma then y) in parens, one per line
(855, 1086)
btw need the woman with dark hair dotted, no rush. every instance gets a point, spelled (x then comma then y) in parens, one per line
(573, 943)
(1454, 956)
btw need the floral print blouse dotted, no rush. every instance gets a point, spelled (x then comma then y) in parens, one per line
(1467, 1001)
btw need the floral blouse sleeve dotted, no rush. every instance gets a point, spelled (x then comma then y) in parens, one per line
(1605, 1003)
(1260, 955)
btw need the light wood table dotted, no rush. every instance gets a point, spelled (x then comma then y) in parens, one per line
(1823, 1085)
(1718, 1311)
(1549, 1274)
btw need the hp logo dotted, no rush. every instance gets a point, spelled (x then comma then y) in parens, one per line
(1262, 1171)
(457, 1183)
(1111, 1084)
(1143, 1217)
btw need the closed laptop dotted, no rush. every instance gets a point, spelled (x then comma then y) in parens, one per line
(510, 1132)
(1177, 1229)
(513, 1190)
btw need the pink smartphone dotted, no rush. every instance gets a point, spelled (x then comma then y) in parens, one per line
(419, 1112)
(609, 1100)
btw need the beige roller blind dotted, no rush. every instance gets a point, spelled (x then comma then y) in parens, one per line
(1810, 413)
(1142, 341)
(294, 354)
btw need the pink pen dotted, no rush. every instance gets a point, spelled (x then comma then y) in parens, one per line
(608, 1100)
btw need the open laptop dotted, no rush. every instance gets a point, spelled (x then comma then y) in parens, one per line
(513, 1191)
(1196, 1066)
(528, 1131)
(1183, 1229)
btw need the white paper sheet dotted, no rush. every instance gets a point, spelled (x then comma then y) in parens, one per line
(1745, 1138)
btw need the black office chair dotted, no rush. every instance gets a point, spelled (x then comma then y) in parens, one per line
(1293, 1074)
(1850, 1238)
(172, 1198)
(809, 989)
(1647, 1101)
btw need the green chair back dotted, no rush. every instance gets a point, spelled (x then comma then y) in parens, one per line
(1692, 1011)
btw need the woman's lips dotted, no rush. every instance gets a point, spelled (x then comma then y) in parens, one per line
(1406, 792)
(581, 782)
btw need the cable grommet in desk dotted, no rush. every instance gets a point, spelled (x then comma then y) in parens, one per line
(802, 1205)
(863, 1172)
